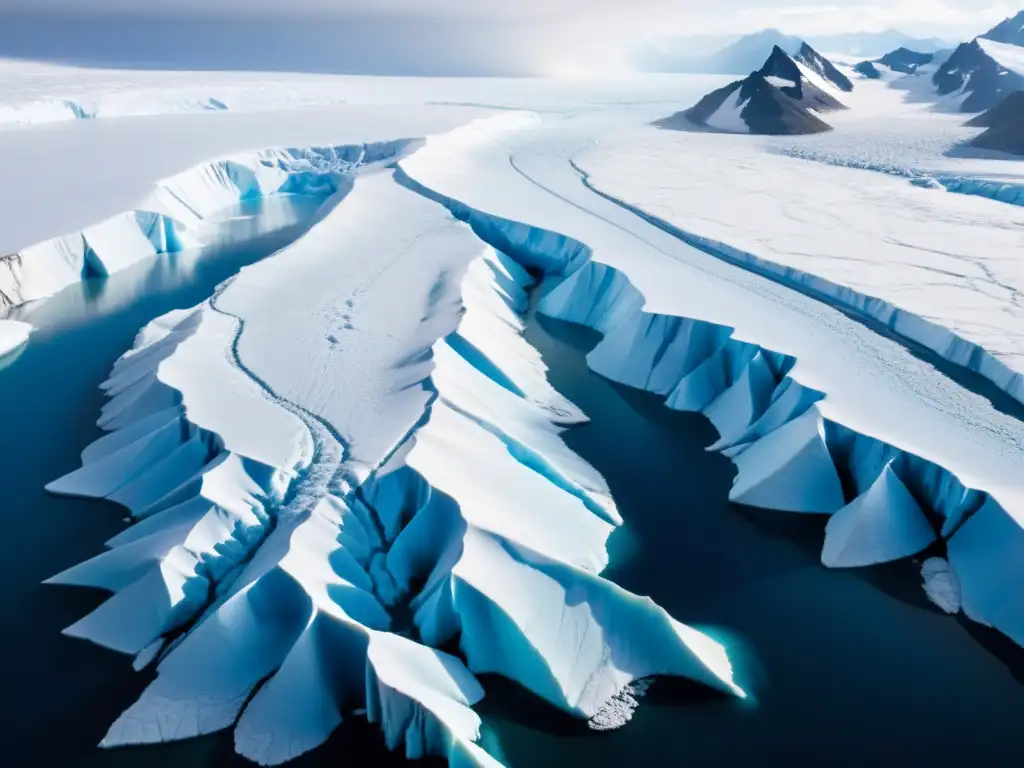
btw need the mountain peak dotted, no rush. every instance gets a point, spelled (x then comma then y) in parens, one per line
(1009, 30)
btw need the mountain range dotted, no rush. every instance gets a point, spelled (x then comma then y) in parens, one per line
(742, 55)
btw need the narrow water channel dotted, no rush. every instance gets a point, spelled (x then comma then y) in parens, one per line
(846, 668)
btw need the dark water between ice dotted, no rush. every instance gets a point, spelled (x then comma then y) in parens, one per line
(847, 668)
(59, 695)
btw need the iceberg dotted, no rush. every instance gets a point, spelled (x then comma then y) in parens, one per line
(885, 523)
(941, 585)
(984, 555)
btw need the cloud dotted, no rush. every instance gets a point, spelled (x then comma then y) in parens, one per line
(958, 17)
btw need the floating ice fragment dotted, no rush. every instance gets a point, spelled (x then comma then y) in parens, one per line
(941, 584)
(882, 524)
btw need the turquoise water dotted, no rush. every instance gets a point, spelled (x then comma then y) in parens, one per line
(845, 667)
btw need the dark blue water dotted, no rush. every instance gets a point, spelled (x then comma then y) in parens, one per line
(60, 694)
(846, 667)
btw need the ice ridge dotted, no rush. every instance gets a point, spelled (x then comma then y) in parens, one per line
(281, 586)
(1000, 191)
(901, 324)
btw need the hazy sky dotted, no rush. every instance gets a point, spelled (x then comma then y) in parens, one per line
(440, 36)
(954, 17)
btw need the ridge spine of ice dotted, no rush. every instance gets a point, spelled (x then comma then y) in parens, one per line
(902, 324)
(1000, 191)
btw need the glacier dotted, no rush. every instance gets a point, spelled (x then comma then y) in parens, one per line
(948, 283)
(345, 468)
(301, 556)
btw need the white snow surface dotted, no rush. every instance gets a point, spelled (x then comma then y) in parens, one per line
(728, 117)
(946, 258)
(12, 335)
(60, 179)
(125, 200)
(819, 81)
(1008, 56)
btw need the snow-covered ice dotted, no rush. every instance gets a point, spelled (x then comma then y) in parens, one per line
(910, 254)
(631, 280)
(1010, 57)
(13, 334)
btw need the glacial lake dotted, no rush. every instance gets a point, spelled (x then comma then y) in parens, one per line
(844, 668)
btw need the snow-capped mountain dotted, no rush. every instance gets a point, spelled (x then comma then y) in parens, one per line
(752, 105)
(1005, 123)
(783, 97)
(906, 61)
(982, 72)
(803, 83)
(813, 60)
(1010, 31)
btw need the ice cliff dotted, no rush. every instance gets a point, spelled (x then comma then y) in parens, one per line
(171, 217)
